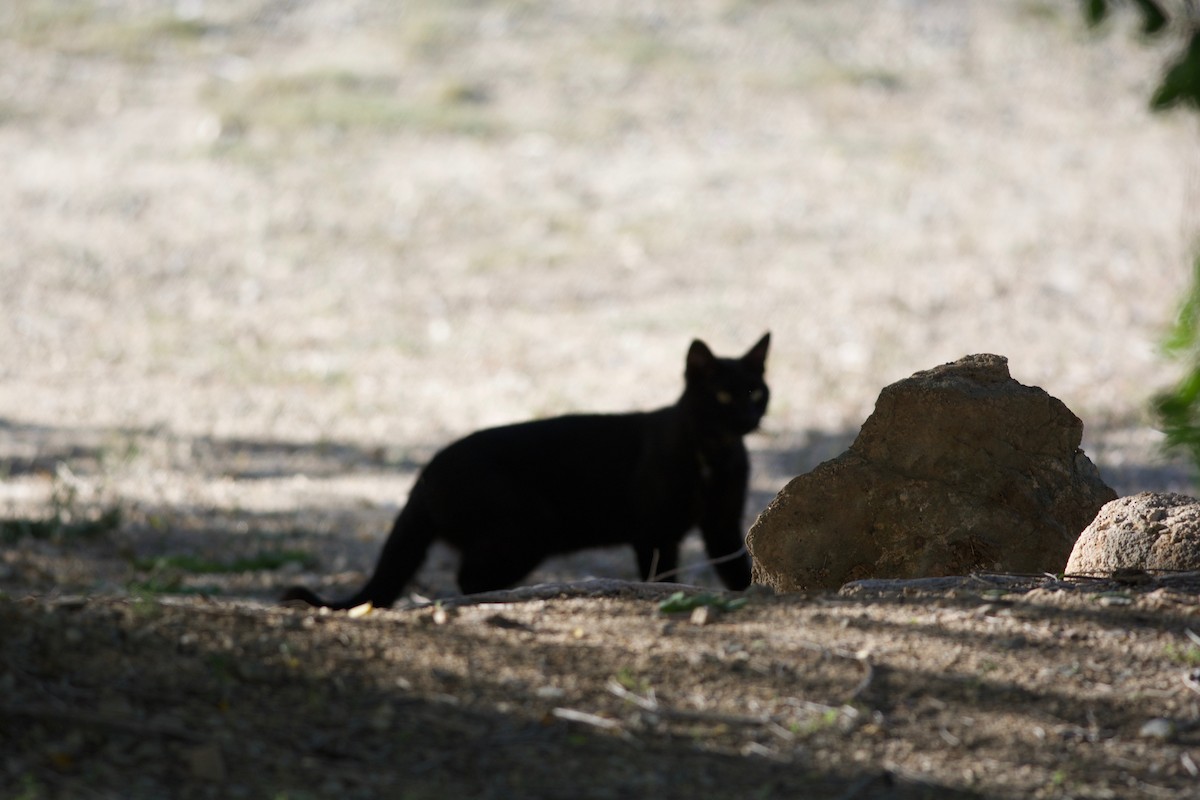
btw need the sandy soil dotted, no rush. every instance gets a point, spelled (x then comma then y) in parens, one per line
(261, 259)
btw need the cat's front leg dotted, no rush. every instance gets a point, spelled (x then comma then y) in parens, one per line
(726, 548)
(731, 560)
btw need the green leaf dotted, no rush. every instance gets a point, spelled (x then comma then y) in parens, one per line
(1185, 333)
(1154, 19)
(1181, 84)
(1095, 11)
(681, 602)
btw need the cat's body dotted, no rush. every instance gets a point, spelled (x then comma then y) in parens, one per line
(506, 498)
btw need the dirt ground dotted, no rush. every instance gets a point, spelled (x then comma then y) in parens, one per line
(262, 259)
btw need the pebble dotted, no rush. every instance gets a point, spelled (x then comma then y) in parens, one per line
(1158, 728)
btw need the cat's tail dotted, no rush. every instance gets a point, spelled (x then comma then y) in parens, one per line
(403, 553)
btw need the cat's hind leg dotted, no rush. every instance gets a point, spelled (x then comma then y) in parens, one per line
(499, 561)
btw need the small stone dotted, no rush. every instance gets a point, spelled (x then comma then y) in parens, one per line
(1158, 728)
(507, 623)
(360, 611)
(703, 615)
(1147, 531)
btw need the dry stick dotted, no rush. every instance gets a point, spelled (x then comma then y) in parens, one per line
(773, 723)
(862, 660)
(652, 705)
(868, 676)
(712, 562)
(653, 576)
(603, 723)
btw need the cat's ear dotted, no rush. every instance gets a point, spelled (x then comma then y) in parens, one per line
(700, 360)
(757, 356)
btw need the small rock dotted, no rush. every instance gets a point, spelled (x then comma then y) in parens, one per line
(1158, 728)
(507, 623)
(703, 615)
(1147, 531)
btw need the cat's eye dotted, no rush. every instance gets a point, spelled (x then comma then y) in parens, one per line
(724, 398)
(756, 395)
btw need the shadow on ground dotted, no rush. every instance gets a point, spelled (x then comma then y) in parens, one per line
(234, 549)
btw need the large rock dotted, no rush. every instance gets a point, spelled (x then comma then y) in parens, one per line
(1147, 531)
(959, 468)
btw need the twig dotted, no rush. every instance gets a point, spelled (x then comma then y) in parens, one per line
(652, 705)
(712, 562)
(645, 703)
(863, 659)
(652, 573)
(584, 718)
(867, 678)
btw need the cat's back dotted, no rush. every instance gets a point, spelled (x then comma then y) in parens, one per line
(554, 438)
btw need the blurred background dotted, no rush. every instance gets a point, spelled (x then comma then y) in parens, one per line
(261, 259)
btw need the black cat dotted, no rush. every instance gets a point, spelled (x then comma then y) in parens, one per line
(508, 497)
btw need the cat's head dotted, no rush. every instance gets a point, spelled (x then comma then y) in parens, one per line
(727, 395)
